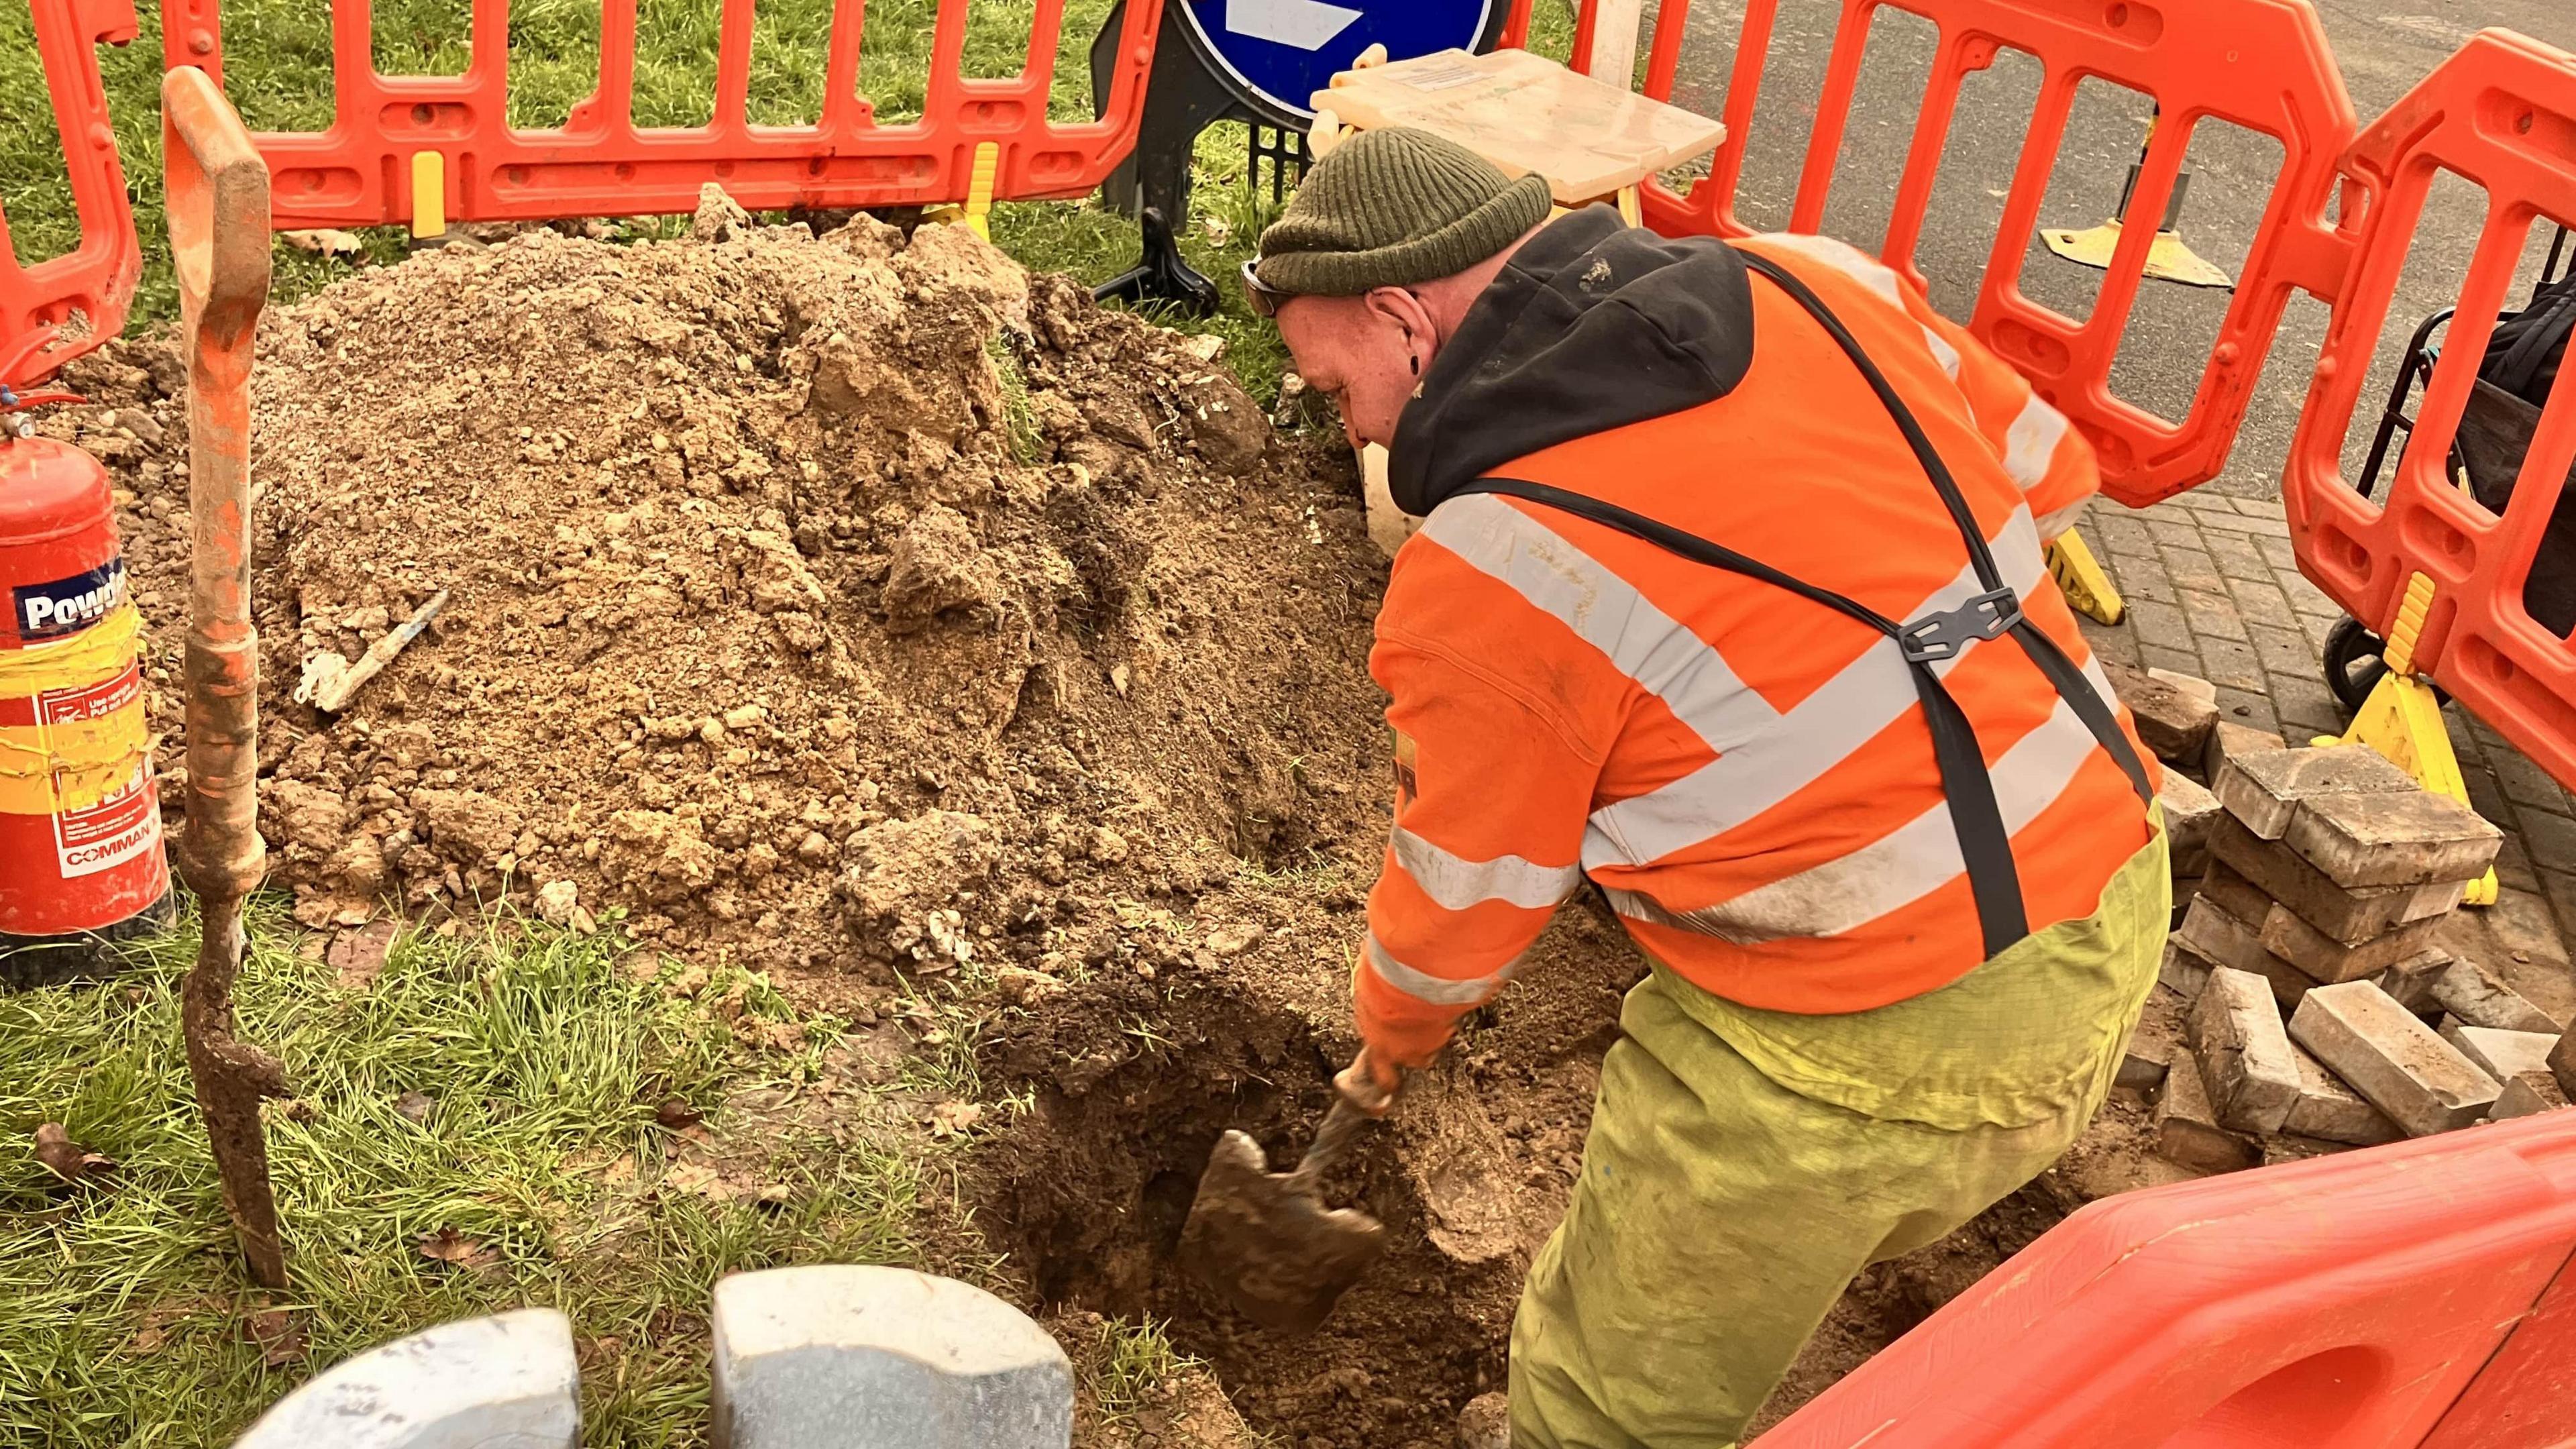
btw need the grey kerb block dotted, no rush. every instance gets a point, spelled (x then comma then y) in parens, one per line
(506, 1382)
(846, 1357)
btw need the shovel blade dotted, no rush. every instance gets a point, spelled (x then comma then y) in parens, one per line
(1272, 1249)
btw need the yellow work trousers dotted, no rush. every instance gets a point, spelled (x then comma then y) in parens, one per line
(1744, 1165)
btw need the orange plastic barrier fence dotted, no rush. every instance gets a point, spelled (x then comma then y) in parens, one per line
(600, 162)
(2501, 113)
(66, 305)
(2260, 64)
(2359, 1301)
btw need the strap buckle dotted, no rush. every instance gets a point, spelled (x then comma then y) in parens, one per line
(1989, 615)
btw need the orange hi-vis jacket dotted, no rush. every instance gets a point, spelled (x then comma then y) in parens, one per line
(1749, 776)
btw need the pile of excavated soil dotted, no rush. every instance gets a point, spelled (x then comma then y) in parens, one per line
(832, 602)
(855, 604)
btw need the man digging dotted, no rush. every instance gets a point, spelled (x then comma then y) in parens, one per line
(1729, 597)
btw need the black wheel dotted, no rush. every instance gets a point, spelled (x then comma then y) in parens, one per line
(2353, 665)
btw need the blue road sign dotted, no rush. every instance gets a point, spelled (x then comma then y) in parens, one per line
(1283, 51)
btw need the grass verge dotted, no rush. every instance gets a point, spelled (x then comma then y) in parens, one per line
(482, 1127)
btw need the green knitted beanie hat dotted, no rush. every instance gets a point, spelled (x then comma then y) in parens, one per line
(1393, 207)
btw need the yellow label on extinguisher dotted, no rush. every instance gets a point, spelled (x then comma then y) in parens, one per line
(75, 745)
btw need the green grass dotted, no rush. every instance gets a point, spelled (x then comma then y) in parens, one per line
(122, 1306)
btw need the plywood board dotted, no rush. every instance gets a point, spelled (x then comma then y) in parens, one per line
(1526, 114)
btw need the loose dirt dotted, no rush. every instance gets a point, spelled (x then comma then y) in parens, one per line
(860, 609)
(833, 603)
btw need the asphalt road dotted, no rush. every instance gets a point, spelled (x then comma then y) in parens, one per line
(2382, 46)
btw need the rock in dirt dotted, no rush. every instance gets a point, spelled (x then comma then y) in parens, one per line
(1486, 1423)
(662, 857)
(916, 864)
(557, 900)
(719, 217)
(467, 826)
(936, 565)
(1228, 430)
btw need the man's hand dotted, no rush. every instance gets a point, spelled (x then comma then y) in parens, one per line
(1369, 1083)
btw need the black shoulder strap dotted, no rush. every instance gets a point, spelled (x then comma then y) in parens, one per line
(1985, 846)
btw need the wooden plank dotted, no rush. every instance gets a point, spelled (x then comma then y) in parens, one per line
(1526, 114)
(1613, 60)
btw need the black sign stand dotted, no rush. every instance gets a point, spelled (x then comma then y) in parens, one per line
(1185, 93)
(1188, 91)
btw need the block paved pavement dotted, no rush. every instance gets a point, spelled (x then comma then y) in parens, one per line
(2213, 590)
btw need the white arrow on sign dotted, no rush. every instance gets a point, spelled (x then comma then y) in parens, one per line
(1305, 24)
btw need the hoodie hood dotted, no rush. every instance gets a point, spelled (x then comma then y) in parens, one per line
(1592, 325)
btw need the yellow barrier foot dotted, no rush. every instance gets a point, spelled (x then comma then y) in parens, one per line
(979, 190)
(428, 198)
(2080, 576)
(2169, 259)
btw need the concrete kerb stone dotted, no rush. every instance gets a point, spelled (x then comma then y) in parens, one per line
(2528, 1095)
(2503, 1055)
(2246, 1062)
(2172, 718)
(2417, 838)
(843, 1357)
(2187, 1130)
(2394, 1061)
(2474, 995)
(2332, 1112)
(2266, 788)
(504, 1382)
(2349, 916)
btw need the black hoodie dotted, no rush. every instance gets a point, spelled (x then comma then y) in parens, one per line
(1593, 324)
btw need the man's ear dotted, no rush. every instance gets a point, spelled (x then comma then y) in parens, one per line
(1403, 310)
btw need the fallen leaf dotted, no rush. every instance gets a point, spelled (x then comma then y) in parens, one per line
(325, 241)
(954, 1119)
(67, 1159)
(697, 1180)
(152, 1330)
(676, 1114)
(279, 1336)
(359, 956)
(415, 1106)
(456, 1250)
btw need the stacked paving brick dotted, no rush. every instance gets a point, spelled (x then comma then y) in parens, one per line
(2177, 717)
(2306, 1004)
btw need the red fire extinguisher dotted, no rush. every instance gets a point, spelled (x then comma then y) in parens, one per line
(81, 863)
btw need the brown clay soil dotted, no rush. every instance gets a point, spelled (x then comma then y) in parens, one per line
(860, 609)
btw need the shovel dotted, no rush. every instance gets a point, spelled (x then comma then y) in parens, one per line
(1266, 1241)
